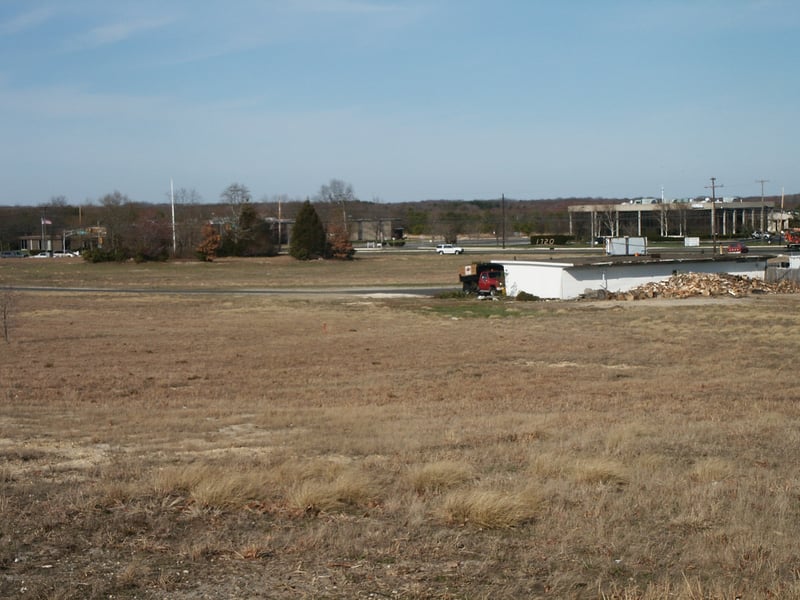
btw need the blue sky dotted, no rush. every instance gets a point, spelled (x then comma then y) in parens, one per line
(405, 100)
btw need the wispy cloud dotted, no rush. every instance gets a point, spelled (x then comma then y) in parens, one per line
(26, 21)
(118, 32)
(70, 102)
(344, 6)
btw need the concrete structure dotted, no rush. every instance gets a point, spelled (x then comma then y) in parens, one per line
(732, 216)
(569, 280)
(375, 230)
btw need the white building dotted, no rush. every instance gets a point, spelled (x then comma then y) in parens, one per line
(569, 280)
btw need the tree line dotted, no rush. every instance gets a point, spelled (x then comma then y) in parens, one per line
(236, 225)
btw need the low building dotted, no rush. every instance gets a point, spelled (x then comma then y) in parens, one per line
(570, 280)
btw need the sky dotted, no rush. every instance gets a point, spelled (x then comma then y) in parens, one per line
(405, 100)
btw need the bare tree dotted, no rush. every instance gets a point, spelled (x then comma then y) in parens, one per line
(118, 214)
(609, 220)
(187, 196)
(337, 192)
(235, 196)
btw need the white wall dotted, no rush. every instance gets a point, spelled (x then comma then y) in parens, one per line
(543, 279)
(567, 281)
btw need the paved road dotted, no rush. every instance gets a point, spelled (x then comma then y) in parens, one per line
(372, 291)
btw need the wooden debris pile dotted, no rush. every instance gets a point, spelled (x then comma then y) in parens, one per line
(686, 285)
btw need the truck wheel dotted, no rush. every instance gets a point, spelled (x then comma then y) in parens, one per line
(493, 291)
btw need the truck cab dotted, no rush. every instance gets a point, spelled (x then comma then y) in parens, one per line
(491, 282)
(483, 279)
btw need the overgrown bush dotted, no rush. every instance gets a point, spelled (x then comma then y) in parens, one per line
(97, 255)
(526, 297)
(452, 294)
(339, 244)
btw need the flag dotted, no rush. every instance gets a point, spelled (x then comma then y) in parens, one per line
(46, 221)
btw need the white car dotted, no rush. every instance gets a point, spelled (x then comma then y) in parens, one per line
(449, 249)
(42, 255)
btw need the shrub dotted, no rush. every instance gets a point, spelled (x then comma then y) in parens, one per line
(526, 297)
(97, 255)
(452, 294)
(340, 246)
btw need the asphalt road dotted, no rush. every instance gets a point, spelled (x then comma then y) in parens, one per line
(320, 291)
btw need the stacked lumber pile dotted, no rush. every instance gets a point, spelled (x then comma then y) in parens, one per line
(686, 285)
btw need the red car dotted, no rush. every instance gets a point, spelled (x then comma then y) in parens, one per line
(737, 248)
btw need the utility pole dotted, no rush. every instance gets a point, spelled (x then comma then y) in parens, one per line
(762, 182)
(279, 224)
(503, 202)
(174, 233)
(714, 187)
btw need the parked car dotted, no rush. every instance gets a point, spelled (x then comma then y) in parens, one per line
(737, 248)
(449, 249)
(12, 254)
(42, 255)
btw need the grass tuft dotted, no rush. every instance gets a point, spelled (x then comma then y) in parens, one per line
(599, 470)
(438, 476)
(349, 488)
(210, 486)
(489, 509)
(712, 469)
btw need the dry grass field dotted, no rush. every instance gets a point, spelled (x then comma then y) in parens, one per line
(232, 445)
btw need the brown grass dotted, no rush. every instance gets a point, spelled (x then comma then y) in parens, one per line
(489, 508)
(238, 445)
(438, 476)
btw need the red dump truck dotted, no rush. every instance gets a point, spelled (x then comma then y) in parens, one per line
(483, 279)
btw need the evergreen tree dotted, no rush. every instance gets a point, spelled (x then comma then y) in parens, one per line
(308, 236)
